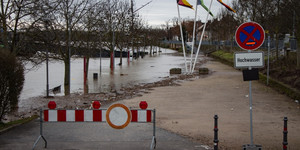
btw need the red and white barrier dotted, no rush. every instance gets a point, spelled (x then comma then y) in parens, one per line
(91, 115)
(118, 116)
(141, 116)
(74, 115)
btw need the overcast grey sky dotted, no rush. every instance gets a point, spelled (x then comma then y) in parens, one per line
(159, 11)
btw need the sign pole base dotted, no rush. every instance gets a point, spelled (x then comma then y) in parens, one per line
(252, 147)
(41, 132)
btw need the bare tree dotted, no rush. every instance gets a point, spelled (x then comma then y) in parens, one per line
(123, 26)
(14, 19)
(89, 32)
(267, 13)
(63, 23)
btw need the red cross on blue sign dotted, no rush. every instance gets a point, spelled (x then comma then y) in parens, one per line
(250, 36)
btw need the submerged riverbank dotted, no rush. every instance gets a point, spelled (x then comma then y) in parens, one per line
(149, 69)
(139, 78)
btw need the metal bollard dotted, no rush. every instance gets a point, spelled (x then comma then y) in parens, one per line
(95, 76)
(285, 132)
(216, 140)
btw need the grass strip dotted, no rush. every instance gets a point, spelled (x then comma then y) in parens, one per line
(5, 126)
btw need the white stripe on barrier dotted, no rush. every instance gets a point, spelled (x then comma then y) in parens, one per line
(88, 115)
(52, 115)
(70, 115)
(142, 116)
(103, 115)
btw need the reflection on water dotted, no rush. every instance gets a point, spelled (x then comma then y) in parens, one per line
(146, 70)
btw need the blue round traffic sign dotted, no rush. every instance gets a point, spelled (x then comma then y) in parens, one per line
(250, 36)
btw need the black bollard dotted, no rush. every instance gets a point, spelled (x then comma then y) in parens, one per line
(95, 76)
(216, 140)
(285, 132)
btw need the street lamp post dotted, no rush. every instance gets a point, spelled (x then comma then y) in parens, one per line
(46, 21)
(47, 72)
(69, 46)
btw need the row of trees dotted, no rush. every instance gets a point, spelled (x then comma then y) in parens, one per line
(68, 27)
(278, 17)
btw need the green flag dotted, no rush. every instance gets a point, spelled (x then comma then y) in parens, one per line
(200, 2)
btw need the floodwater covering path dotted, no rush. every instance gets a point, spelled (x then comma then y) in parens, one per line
(146, 70)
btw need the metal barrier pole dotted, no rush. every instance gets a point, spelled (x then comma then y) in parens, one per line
(216, 140)
(41, 132)
(285, 132)
(153, 143)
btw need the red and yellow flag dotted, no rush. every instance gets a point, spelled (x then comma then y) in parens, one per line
(185, 3)
(229, 8)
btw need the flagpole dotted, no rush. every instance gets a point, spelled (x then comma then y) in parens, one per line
(183, 47)
(194, 31)
(200, 42)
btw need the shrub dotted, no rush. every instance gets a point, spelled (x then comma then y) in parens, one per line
(11, 82)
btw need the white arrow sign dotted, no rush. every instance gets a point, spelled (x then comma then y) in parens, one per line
(245, 60)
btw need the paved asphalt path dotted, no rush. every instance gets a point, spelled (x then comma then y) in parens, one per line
(136, 136)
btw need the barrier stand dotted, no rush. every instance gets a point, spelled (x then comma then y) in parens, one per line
(41, 132)
(142, 115)
(143, 106)
(153, 143)
(216, 140)
(285, 132)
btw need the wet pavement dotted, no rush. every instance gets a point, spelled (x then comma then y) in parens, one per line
(93, 136)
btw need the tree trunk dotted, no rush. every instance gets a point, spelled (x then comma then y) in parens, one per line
(111, 60)
(87, 66)
(277, 43)
(86, 71)
(298, 58)
(4, 33)
(121, 56)
(150, 49)
(67, 74)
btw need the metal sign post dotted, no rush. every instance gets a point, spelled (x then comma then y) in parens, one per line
(250, 104)
(268, 69)
(250, 36)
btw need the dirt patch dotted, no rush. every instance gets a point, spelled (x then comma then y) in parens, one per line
(189, 110)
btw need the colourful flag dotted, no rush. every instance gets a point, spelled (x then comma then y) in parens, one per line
(229, 8)
(184, 3)
(200, 2)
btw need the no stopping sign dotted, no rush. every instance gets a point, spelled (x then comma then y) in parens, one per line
(250, 36)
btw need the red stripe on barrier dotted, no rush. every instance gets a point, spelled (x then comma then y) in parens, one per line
(148, 115)
(79, 115)
(134, 115)
(97, 115)
(61, 115)
(46, 115)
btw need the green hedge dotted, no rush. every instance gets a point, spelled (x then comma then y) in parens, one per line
(226, 58)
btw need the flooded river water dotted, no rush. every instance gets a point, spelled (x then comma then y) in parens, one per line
(146, 70)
